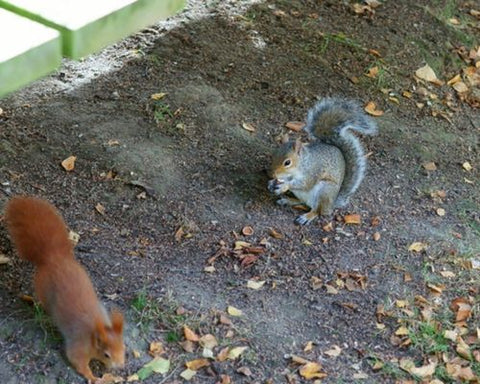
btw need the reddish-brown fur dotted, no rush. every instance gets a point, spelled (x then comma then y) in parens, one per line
(63, 287)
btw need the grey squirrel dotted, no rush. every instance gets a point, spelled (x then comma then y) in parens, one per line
(326, 171)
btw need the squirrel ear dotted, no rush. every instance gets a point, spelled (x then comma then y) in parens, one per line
(116, 318)
(99, 337)
(284, 138)
(297, 146)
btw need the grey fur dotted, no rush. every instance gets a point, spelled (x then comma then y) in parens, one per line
(332, 121)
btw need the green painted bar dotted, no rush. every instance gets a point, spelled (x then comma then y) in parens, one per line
(28, 51)
(89, 25)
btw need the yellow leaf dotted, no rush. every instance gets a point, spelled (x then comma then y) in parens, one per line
(372, 72)
(402, 331)
(440, 212)
(69, 163)
(417, 247)
(232, 311)
(308, 347)
(241, 244)
(158, 96)
(311, 371)
(454, 80)
(234, 353)
(467, 166)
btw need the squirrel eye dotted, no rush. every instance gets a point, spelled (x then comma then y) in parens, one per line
(287, 163)
(107, 355)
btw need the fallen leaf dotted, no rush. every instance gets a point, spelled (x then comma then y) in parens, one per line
(232, 311)
(417, 247)
(189, 334)
(245, 371)
(223, 354)
(426, 73)
(334, 351)
(467, 166)
(208, 341)
(376, 236)
(460, 87)
(372, 72)
(402, 331)
(308, 347)
(352, 219)
(454, 80)
(298, 360)
(197, 364)
(69, 163)
(188, 374)
(240, 245)
(100, 208)
(371, 109)
(276, 235)
(295, 126)
(209, 269)
(235, 352)
(156, 348)
(312, 371)
(440, 212)
(430, 166)
(255, 284)
(248, 127)
(447, 274)
(157, 365)
(158, 96)
(108, 378)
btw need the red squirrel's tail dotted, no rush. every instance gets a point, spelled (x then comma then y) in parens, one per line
(37, 230)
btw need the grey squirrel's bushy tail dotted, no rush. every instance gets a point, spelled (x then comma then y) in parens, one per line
(332, 121)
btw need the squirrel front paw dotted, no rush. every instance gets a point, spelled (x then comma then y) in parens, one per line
(305, 218)
(277, 186)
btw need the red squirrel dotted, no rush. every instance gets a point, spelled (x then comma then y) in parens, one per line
(63, 287)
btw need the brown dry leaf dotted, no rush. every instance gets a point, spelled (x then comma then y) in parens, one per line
(224, 320)
(247, 230)
(308, 347)
(225, 379)
(460, 87)
(457, 372)
(232, 311)
(316, 283)
(352, 219)
(197, 364)
(417, 247)
(189, 334)
(331, 289)
(208, 341)
(312, 371)
(462, 309)
(376, 236)
(335, 351)
(248, 127)
(187, 345)
(423, 371)
(371, 109)
(156, 348)
(69, 163)
(179, 233)
(276, 235)
(235, 352)
(223, 354)
(295, 126)
(245, 371)
(463, 349)
(430, 166)
(435, 289)
(100, 208)
(454, 80)
(426, 73)
(372, 72)
(109, 378)
(136, 353)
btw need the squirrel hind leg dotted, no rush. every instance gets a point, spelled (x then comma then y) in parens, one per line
(306, 217)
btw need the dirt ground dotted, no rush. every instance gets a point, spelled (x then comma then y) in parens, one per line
(179, 176)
